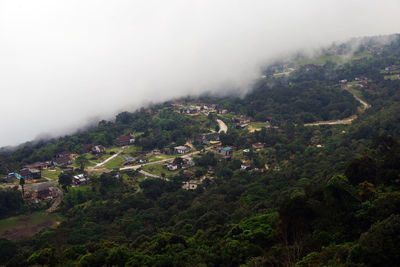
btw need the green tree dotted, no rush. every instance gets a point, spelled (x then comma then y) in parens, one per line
(82, 161)
(65, 180)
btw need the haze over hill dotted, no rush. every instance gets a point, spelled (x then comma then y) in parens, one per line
(63, 63)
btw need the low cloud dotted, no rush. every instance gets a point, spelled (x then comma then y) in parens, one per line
(65, 62)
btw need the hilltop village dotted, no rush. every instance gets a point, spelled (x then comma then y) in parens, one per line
(301, 171)
(125, 155)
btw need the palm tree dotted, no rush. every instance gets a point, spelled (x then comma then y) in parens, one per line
(21, 183)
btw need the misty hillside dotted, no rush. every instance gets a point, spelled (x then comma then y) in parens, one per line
(302, 170)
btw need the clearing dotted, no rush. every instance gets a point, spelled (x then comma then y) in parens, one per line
(22, 226)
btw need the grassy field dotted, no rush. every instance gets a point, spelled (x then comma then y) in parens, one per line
(115, 163)
(52, 174)
(132, 150)
(392, 77)
(161, 157)
(238, 153)
(21, 226)
(333, 58)
(157, 169)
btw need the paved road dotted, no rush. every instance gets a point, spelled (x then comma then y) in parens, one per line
(135, 167)
(222, 126)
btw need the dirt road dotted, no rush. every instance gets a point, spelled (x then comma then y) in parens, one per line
(57, 201)
(109, 159)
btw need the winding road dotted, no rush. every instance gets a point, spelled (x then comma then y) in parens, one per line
(222, 126)
(348, 120)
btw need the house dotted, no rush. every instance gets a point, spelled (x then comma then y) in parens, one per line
(124, 140)
(241, 119)
(98, 149)
(38, 165)
(191, 185)
(79, 179)
(28, 174)
(61, 161)
(209, 107)
(245, 165)
(222, 111)
(257, 145)
(392, 68)
(361, 78)
(239, 125)
(187, 163)
(63, 155)
(190, 110)
(188, 175)
(342, 81)
(181, 149)
(44, 192)
(172, 166)
(226, 151)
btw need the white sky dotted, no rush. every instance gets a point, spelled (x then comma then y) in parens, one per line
(63, 62)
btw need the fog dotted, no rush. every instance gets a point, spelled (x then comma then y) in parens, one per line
(64, 63)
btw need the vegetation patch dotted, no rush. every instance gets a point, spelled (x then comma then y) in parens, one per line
(22, 226)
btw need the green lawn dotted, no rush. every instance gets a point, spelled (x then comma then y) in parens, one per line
(52, 174)
(238, 153)
(157, 169)
(115, 163)
(27, 225)
(132, 150)
(258, 125)
(361, 55)
(392, 77)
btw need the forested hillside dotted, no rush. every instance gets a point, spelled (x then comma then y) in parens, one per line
(325, 195)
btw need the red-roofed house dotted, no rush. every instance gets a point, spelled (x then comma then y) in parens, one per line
(258, 145)
(98, 149)
(124, 140)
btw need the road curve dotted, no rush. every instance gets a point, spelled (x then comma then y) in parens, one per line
(348, 120)
(222, 126)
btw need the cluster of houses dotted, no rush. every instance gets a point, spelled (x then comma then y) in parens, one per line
(186, 163)
(175, 150)
(34, 170)
(206, 108)
(240, 122)
(42, 192)
(393, 68)
(208, 139)
(62, 159)
(94, 149)
(362, 82)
